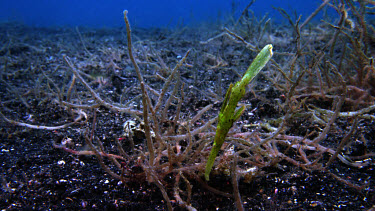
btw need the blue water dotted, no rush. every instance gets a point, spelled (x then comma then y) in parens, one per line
(142, 13)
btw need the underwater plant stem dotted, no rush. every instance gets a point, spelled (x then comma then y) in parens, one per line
(81, 117)
(229, 112)
(343, 142)
(244, 12)
(130, 46)
(88, 140)
(82, 41)
(236, 192)
(150, 145)
(308, 19)
(95, 95)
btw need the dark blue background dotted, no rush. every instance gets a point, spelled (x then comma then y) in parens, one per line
(142, 13)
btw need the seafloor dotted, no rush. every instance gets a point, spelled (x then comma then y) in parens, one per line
(39, 172)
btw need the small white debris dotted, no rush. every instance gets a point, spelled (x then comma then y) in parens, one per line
(62, 181)
(61, 162)
(66, 141)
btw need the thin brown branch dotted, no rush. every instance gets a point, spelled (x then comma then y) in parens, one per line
(236, 191)
(96, 96)
(81, 116)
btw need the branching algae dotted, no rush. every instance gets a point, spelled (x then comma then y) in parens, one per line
(229, 113)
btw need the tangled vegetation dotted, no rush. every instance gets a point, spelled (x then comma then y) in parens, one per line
(321, 80)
